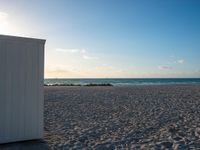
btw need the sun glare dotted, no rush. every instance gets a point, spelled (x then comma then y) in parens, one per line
(5, 26)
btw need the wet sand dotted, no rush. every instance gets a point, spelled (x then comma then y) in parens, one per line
(136, 117)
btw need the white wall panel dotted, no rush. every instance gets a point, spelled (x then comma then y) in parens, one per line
(21, 88)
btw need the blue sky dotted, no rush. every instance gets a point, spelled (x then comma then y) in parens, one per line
(110, 38)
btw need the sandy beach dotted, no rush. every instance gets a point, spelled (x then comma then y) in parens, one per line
(135, 117)
(99, 75)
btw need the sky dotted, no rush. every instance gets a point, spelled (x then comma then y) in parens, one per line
(110, 38)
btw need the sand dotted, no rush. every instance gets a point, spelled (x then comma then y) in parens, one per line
(106, 118)
(137, 117)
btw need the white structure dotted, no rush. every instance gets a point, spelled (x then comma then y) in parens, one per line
(21, 88)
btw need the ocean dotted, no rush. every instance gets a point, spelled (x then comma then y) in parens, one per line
(124, 81)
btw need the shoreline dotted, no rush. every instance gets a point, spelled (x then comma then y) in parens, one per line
(90, 84)
(118, 85)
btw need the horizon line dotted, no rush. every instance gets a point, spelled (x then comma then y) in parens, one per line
(132, 78)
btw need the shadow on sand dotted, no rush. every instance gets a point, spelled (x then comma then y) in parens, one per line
(26, 145)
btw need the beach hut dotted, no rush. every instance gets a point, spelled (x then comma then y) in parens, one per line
(21, 88)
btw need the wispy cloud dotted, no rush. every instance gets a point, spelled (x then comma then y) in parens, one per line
(61, 70)
(197, 71)
(74, 50)
(89, 57)
(164, 67)
(81, 52)
(176, 60)
(180, 61)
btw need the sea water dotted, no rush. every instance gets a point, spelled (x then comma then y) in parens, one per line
(124, 81)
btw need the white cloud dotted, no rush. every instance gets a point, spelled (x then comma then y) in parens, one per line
(74, 50)
(164, 67)
(181, 61)
(81, 52)
(89, 57)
